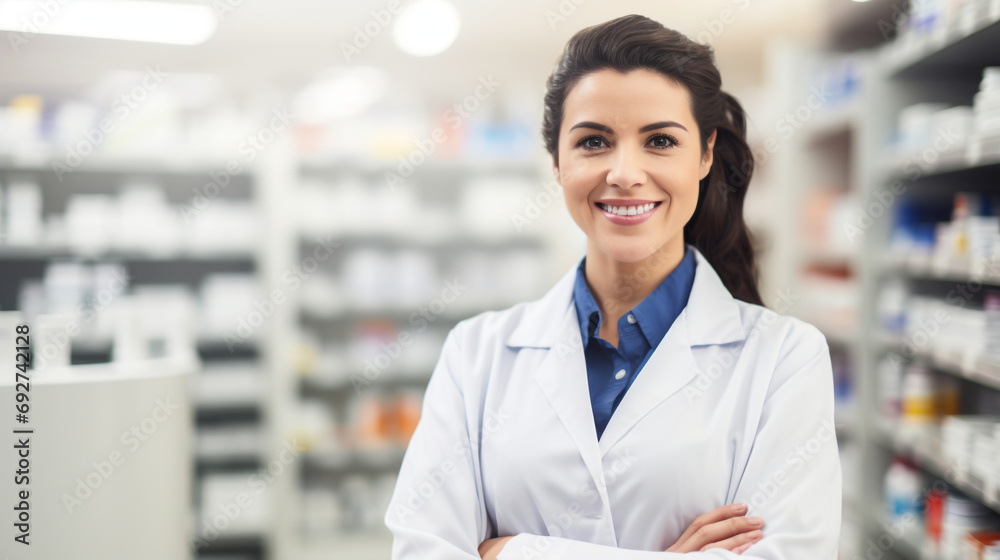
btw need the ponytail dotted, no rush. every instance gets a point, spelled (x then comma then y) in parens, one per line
(717, 227)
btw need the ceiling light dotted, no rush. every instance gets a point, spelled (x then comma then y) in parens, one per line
(426, 27)
(130, 20)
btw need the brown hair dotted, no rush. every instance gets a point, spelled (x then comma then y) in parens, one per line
(629, 42)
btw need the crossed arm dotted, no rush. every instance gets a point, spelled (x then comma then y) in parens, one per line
(792, 478)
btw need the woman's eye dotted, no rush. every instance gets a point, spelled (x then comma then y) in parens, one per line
(663, 141)
(658, 141)
(591, 143)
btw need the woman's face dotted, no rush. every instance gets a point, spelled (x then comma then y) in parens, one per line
(630, 140)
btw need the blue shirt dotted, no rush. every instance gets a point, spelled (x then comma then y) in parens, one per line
(611, 370)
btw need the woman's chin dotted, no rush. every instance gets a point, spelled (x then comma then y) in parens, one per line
(627, 249)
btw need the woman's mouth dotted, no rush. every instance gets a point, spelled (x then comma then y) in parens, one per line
(628, 215)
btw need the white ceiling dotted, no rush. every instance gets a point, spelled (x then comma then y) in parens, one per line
(275, 45)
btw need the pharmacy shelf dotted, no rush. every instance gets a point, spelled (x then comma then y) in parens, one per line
(122, 165)
(925, 451)
(233, 544)
(322, 165)
(347, 546)
(45, 253)
(355, 459)
(320, 383)
(983, 369)
(180, 181)
(946, 65)
(351, 314)
(943, 66)
(460, 240)
(953, 53)
(907, 541)
(929, 274)
(318, 312)
(964, 168)
(832, 123)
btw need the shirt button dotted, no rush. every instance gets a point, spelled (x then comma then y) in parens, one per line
(620, 374)
(631, 318)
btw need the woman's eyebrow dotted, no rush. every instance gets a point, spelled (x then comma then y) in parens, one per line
(647, 128)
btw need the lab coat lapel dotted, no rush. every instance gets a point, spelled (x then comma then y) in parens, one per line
(711, 316)
(551, 323)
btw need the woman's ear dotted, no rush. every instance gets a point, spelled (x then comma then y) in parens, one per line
(555, 171)
(708, 156)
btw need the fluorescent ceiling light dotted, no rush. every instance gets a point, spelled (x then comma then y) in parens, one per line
(129, 20)
(426, 27)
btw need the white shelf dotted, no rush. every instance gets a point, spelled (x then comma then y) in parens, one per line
(43, 162)
(345, 459)
(983, 369)
(925, 450)
(899, 74)
(346, 546)
(43, 252)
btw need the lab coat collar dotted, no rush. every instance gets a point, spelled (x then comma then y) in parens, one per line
(712, 316)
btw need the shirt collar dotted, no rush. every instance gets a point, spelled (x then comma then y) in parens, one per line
(654, 314)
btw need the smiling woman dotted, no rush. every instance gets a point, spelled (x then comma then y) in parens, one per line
(650, 405)
(640, 124)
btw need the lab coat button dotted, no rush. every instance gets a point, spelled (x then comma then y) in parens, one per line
(620, 374)
(631, 318)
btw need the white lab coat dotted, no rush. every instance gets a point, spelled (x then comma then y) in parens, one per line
(735, 405)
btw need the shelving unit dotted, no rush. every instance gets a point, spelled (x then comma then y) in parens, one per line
(942, 66)
(819, 157)
(386, 278)
(189, 265)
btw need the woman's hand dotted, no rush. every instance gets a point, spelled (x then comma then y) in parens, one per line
(723, 527)
(491, 547)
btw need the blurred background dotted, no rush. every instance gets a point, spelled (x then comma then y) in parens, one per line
(272, 213)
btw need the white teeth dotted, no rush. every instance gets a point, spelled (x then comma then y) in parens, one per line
(627, 210)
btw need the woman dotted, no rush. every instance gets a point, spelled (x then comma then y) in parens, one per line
(648, 402)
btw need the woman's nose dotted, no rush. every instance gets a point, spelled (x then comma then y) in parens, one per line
(626, 168)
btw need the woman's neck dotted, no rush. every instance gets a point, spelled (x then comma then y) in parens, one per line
(619, 286)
